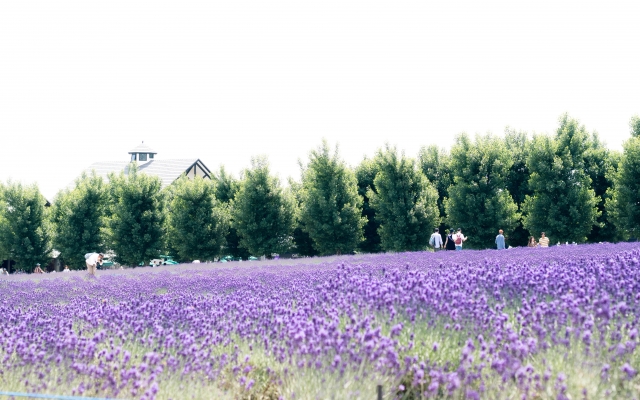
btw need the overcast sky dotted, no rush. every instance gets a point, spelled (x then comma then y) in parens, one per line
(85, 81)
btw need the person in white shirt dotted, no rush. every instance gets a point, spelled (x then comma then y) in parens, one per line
(436, 240)
(66, 269)
(92, 260)
(458, 239)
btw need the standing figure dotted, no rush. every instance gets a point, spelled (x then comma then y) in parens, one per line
(459, 239)
(500, 240)
(544, 240)
(436, 240)
(449, 242)
(38, 270)
(532, 242)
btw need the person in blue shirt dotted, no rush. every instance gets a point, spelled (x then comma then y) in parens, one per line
(500, 240)
(436, 240)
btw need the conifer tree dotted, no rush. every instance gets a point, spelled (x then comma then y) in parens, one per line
(601, 165)
(518, 145)
(405, 202)
(226, 187)
(366, 172)
(331, 207)
(563, 204)
(623, 202)
(78, 215)
(198, 223)
(263, 213)
(136, 225)
(479, 202)
(24, 226)
(435, 164)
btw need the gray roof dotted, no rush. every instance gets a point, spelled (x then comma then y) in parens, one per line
(167, 170)
(142, 148)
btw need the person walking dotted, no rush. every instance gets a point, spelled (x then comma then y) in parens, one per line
(92, 260)
(436, 240)
(500, 240)
(459, 239)
(449, 242)
(532, 242)
(544, 240)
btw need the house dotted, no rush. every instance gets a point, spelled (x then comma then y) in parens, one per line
(148, 162)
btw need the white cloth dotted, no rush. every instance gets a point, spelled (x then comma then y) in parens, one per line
(92, 259)
(436, 240)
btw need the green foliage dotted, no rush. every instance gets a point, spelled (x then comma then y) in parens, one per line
(435, 164)
(136, 225)
(303, 244)
(262, 212)
(226, 187)
(331, 209)
(634, 125)
(518, 145)
(24, 226)
(365, 174)
(623, 203)
(405, 202)
(563, 205)
(78, 216)
(479, 201)
(600, 165)
(197, 222)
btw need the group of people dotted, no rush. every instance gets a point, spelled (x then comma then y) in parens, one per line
(543, 242)
(455, 240)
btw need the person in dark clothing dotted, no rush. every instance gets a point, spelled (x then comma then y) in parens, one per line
(449, 244)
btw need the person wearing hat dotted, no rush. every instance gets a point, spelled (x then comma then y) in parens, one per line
(38, 270)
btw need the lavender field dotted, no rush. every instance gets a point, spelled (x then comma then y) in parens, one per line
(518, 324)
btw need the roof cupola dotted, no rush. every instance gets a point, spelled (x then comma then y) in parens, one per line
(142, 153)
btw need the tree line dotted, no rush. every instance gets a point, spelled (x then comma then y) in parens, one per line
(568, 185)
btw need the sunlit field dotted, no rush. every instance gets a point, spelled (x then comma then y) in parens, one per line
(523, 323)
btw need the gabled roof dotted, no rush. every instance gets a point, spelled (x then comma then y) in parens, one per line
(142, 148)
(167, 170)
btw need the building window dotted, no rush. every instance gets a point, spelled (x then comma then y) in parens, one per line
(150, 156)
(143, 156)
(133, 157)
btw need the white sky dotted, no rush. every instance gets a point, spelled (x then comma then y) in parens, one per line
(85, 81)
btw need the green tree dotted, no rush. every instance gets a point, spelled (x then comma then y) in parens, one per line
(601, 164)
(634, 125)
(136, 226)
(563, 204)
(331, 208)
(226, 187)
(198, 223)
(24, 225)
(78, 216)
(405, 202)
(366, 172)
(263, 213)
(518, 145)
(623, 202)
(479, 201)
(302, 242)
(435, 164)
